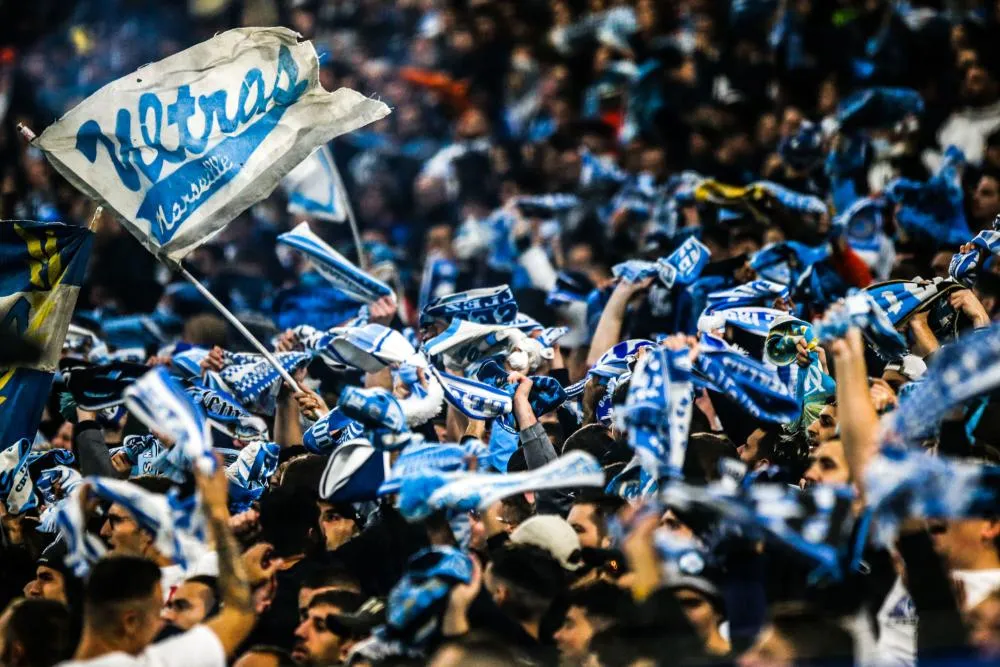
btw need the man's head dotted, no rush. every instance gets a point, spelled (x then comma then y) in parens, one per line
(325, 580)
(122, 532)
(796, 636)
(191, 603)
(758, 450)
(121, 602)
(318, 641)
(591, 609)
(338, 523)
(36, 633)
(986, 198)
(824, 427)
(523, 580)
(827, 465)
(702, 604)
(967, 544)
(589, 518)
(48, 584)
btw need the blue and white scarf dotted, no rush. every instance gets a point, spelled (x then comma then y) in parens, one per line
(429, 457)
(618, 359)
(225, 411)
(189, 361)
(752, 385)
(420, 496)
(380, 412)
(439, 279)
(254, 381)
(489, 305)
(143, 452)
(431, 574)
(464, 344)
(905, 483)
(333, 266)
(473, 399)
(965, 266)
(545, 396)
(787, 261)
(681, 267)
(354, 472)
(17, 491)
(82, 548)
(54, 456)
(957, 372)
(248, 476)
(752, 319)
(67, 478)
(862, 310)
(159, 402)
(900, 299)
(321, 437)
(755, 293)
(933, 210)
(657, 411)
(373, 347)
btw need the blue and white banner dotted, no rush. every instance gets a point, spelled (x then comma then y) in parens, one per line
(473, 399)
(182, 146)
(160, 403)
(333, 266)
(312, 188)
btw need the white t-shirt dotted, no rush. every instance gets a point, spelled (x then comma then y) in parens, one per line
(978, 584)
(198, 647)
(897, 621)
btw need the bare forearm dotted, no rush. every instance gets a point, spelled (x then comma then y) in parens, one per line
(609, 328)
(233, 583)
(858, 420)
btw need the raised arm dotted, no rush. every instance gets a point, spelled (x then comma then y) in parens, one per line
(856, 413)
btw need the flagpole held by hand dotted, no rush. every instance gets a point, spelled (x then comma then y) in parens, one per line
(342, 192)
(239, 327)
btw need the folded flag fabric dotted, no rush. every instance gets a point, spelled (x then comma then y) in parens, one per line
(618, 359)
(228, 414)
(373, 347)
(473, 399)
(82, 548)
(312, 188)
(174, 200)
(657, 411)
(248, 475)
(252, 379)
(878, 108)
(42, 267)
(98, 387)
(17, 491)
(965, 266)
(756, 388)
(861, 310)
(159, 402)
(957, 372)
(489, 305)
(422, 495)
(334, 267)
(354, 472)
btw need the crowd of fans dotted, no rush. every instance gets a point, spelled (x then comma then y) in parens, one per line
(543, 145)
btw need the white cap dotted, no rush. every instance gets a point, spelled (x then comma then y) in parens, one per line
(554, 534)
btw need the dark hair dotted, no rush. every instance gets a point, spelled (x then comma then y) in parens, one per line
(333, 575)
(593, 439)
(816, 637)
(604, 506)
(289, 519)
(485, 650)
(283, 656)
(533, 577)
(516, 509)
(153, 484)
(45, 631)
(346, 601)
(705, 450)
(213, 585)
(601, 599)
(117, 580)
(768, 442)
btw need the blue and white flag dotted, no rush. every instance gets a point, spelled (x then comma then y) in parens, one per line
(489, 305)
(473, 399)
(657, 411)
(249, 473)
(42, 267)
(160, 403)
(312, 189)
(752, 385)
(17, 491)
(962, 370)
(333, 266)
(618, 359)
(238, 111)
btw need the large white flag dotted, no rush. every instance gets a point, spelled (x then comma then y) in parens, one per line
(180, 147)
(312, 188)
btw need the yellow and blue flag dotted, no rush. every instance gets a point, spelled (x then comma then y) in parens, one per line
(42, 266)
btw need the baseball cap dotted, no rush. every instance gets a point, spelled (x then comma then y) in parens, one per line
(555, 535)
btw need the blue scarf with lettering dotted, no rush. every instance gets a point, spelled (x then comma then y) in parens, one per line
(618, 359)
(489, 305)
(254, 381)
(224, 410)
(431, 457)
(756, 388)
(681, 267)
